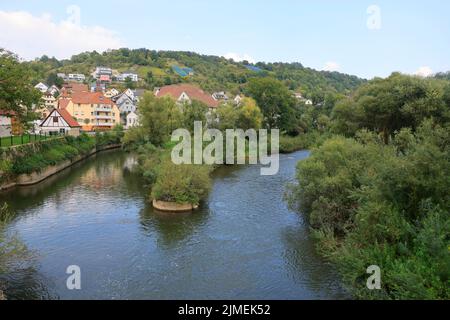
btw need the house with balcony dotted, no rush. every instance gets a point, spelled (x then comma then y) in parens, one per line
(78, 77)
(102, 71)
(127, 75)
(92, 110)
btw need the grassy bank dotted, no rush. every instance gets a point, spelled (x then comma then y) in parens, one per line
(35, 157)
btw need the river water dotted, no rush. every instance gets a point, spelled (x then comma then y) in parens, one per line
(243, 243)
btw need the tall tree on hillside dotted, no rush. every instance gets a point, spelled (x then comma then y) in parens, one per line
(17, 95)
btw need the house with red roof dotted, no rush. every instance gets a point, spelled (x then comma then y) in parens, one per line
(61, 122)
(91, 109)
(183, 93)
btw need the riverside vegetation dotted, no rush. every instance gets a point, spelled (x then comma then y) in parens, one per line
(34, 157)
(378, 191)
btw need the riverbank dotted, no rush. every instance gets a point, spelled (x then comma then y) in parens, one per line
(33, 163)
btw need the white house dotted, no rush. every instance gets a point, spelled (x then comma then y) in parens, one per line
(111, 93)
(102, 71)
(308, 102)
(53, 90)
(76, 77)
(130, 93)
(60, 121)
(125, 104)
(123, 76)
(220, 96)
(41, 87)
(132, 120)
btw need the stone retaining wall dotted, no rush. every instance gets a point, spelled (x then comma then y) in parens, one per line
(36, 177)
(172, 206)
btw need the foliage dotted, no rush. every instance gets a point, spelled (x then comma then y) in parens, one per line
(17, 95)
(274, 100)
(35, 157)
(181, 183)
(388, 105)
(212, 73)
(158, 118)
(387, 205)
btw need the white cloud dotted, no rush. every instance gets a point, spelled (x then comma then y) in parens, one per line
(239, 58)
(331, 66)
(424, 71)
(33, 36)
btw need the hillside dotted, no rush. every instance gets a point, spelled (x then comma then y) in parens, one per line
(212, 73)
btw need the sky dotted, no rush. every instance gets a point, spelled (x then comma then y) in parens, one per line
(364, 38)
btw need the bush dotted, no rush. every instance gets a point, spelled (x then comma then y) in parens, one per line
(28, 159)
(181, 183)
(387, 205)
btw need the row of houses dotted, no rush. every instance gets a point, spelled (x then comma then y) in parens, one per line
(77, 108)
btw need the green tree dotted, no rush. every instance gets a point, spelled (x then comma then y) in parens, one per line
(17, 95)
(388, 105)
(194, 111)
(129, 83)
(249, 116)
(275, 101)
(158, 118)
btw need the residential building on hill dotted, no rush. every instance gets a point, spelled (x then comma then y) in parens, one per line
(41, 87)
(102, 71)
(76, 77)
(220, 96)
(132, 120)
(92, 110)
(49, 101)
(131, 75)
(185, 93)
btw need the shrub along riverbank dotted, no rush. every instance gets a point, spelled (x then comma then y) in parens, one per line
(379, 192)
(35, 157)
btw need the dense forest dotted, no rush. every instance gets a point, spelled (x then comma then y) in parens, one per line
(212, 73)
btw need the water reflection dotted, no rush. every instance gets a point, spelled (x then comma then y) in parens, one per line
(171, 228)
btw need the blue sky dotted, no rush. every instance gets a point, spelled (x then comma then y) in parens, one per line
(333, 35)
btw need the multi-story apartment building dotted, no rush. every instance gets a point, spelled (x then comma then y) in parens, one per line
(92, 110)
(76, 77)
(102, 71)
(131, 75)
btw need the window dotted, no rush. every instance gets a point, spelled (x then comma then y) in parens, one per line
(55, 119)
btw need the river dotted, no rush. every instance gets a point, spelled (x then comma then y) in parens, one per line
(243, 243)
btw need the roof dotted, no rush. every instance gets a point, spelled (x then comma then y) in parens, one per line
(90, 98)
(73, 87)
(63, 103)
(66, 116)
(105, 78)
(193, 92)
